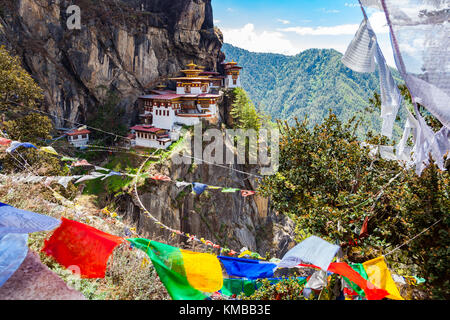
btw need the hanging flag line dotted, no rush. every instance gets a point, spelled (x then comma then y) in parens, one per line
(178, 232)
(77, 123)
(93, 248)
(198, 187)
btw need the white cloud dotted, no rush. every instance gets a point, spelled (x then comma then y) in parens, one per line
(377, 21)
(283, 21)
(216, 21)
(293, 40)
(266, 41)
(344, 29)
(351, 5)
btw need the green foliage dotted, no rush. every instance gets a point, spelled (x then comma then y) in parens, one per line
(17, 88)
(108, 118)
(32, 128)
(309, 84)
(243, 112)
(286, 289)
(328, 185)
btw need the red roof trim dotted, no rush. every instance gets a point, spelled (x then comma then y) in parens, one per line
(77, 133)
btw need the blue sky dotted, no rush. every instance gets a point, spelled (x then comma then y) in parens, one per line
(291, 26)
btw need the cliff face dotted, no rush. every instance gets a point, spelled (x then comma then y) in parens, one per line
(227, 219)
(124, 46)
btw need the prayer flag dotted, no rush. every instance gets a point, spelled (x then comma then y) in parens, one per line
(50, 150)
(199, 188)
(82, 163)
(230, 190)
(160, 177)
(13, 250)
(185, 274)
(5, 142)
(246, 193)
(313, 250)
(77, 244)
(246, 268)
(13, 220)
(16, 144)
(379, 275)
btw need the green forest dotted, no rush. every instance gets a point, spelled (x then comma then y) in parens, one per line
(310, 83)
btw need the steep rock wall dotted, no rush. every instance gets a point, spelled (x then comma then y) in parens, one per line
(124, 46)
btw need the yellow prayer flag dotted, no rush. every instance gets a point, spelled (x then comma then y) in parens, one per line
(380, 277)
(203, 271)
(49, 150)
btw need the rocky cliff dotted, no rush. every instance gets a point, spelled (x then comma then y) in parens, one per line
(123, 46)
(126, 46)
(227, 219)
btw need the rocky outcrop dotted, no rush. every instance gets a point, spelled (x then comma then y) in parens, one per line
(124, 46)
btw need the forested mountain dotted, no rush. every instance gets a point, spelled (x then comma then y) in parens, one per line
(309, 83)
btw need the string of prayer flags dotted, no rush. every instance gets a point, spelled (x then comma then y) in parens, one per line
(199, 188)
(49, 150)
(313, 250)
(248, 253)
(77, 244)
(379, 275)
(16, 144)
(5, 142)
(13, 220)
(230, 190)
(186, 275)
(13, 251)
(246, 268)
(214, 188)
(246, 193)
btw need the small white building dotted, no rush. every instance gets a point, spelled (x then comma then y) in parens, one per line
(78, 138)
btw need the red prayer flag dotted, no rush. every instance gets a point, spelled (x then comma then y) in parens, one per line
(246, 193)
(77, 244)
(161, 178)
(5, 142)
(343, 269)
(364, 232)
(81, 163)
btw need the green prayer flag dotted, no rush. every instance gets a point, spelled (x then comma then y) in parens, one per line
(358, 267)
(186, 275)
(230, 190)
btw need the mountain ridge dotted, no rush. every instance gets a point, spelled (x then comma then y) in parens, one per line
(309, 83)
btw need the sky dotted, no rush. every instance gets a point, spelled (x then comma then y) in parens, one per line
(292, 26)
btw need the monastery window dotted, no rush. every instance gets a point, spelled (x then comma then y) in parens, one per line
(74, 137)
(187, 89)
(84, 136)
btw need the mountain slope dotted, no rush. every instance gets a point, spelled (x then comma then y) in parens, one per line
(309, 83)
